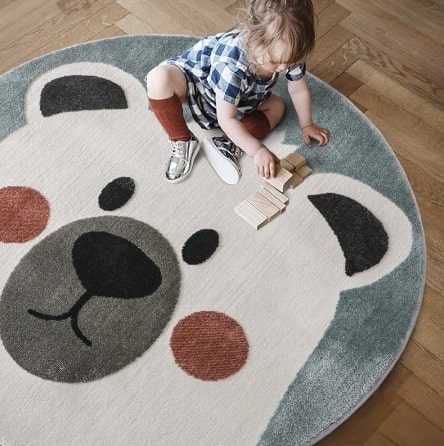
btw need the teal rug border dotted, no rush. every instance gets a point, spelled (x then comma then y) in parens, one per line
(310, 409)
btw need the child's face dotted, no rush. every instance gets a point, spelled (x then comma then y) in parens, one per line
(273, 60)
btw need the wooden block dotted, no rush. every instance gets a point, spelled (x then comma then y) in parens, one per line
(296, 159)
(287, 165)
(304, 171)
(250, 214)
(259, 201)
(280, 180)
(272, 198)
(295, 180)
(280, 196)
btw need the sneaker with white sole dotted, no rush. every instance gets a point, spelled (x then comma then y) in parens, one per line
(181, 159)
(223, 156)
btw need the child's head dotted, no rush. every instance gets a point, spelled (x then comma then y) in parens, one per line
(280, 30)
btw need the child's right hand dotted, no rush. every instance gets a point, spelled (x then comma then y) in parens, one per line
(266, 162)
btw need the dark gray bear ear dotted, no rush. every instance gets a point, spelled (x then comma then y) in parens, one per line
(83, 86)
(362, 237)
(81, 92)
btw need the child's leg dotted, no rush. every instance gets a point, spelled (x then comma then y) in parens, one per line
(224, 156)
(265, 118)
(167, 90)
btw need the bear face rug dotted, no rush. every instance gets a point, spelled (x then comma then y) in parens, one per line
(138, 312)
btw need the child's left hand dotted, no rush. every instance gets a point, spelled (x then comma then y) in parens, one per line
(314, 131)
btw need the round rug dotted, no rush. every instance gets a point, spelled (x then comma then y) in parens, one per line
(137, 312)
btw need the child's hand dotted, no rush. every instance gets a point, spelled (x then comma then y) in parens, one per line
(265, 162)
(314, 131)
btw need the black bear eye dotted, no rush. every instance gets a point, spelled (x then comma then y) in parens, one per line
(116, 193)
(200, 246)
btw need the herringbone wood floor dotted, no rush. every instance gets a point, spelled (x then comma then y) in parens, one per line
(387, 57)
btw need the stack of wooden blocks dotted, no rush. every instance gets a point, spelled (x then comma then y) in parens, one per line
(270, 200)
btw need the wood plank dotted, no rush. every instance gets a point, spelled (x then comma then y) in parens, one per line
(280, 180)
(427, 367)
(417, 142)
(320, 5)
(279, 195)
(392, 90)
(423, 56)
(50, 35)
(423, 399)
(22, 16)
(415, 79)
(195, 19)
(346, 84)
(251, 215)
(408, 427)
(110, 31)
(260, 202)
(272, 198)
(334, 65)
(304, 171)
(430, 335)
(379, 439)
(160, 21)
(433, 306)
(132, 25)
(330, 17)
(422, 16)
(328, 44)
(296, 160)
(97, 26)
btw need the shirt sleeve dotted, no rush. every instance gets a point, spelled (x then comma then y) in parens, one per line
(225, 79)
(295, 71)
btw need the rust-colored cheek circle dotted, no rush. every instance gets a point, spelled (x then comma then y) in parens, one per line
(24, 213)
(209, 345)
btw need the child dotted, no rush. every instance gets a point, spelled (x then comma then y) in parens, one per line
(227, 81)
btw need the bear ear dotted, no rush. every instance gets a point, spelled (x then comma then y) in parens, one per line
(83, 87)
(374, 234)
(362, 237)
(78, 92)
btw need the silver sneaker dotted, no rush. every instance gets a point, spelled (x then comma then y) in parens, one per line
(223, 156)
(181, 159)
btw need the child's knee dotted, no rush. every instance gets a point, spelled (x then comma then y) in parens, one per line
(165, 80)
(156, 78)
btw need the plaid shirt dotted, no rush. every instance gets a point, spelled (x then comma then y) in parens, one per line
(217, 67)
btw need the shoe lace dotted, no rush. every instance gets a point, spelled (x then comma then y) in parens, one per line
(237, 153)
(177, 148)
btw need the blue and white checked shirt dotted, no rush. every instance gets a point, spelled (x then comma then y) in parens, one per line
(217, 66)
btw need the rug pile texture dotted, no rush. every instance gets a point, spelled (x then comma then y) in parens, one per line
(137, 312)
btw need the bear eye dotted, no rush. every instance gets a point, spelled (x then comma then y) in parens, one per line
(200, 246)
(116, 193)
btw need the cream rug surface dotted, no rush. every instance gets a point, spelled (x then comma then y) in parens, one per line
(137, 312)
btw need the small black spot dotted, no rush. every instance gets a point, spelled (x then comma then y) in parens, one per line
(116, 193)
(76, 92)
(200, 246)
(361, 235)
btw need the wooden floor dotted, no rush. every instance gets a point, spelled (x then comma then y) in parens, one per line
(387, 57)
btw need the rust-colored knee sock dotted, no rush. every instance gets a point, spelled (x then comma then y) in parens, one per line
(169, 113)
(257, 124)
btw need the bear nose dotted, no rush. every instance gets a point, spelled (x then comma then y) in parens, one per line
(111, 266)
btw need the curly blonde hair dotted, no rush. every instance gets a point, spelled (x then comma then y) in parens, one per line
(266, 23)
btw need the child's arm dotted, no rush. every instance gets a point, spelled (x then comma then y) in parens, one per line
(264, 160)
(301, 98)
